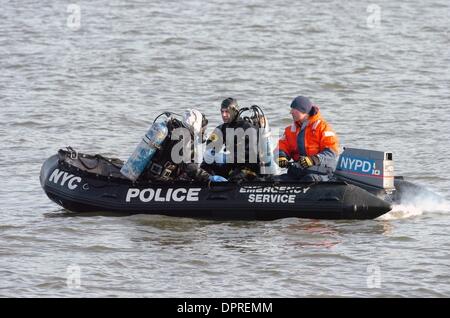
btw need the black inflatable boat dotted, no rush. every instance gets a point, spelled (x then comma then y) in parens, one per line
(87, 183)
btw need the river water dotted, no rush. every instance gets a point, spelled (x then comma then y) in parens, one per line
(379, 71)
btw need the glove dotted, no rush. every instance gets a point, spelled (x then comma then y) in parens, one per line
(283, 162)
(307, 162)
(238, 175)
(217, 178)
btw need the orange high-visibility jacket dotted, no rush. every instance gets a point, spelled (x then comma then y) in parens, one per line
(315, 137)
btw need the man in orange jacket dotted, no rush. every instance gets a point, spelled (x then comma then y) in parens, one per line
(310, 142)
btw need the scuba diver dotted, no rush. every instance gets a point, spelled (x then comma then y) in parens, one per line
(237, 157)
(159, 156)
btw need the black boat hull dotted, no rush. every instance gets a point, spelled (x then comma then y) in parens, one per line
(80, 191)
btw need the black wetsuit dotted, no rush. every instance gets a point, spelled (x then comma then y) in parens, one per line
(163, 168)
(250, 150)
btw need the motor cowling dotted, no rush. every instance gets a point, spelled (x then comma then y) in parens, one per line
(367, 167)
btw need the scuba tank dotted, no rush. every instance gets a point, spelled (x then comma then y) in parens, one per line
(146, 149)
(265, 151)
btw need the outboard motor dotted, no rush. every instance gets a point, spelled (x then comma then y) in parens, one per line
(368, 169)
(145, 150)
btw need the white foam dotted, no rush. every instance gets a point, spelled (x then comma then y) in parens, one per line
(415, 204)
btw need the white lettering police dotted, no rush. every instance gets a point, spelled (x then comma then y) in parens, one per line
(70, 179)
(160, 195)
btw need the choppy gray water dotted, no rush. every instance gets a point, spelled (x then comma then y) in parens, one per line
(382, 85)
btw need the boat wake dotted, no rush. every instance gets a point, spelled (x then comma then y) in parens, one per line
(415, 203)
